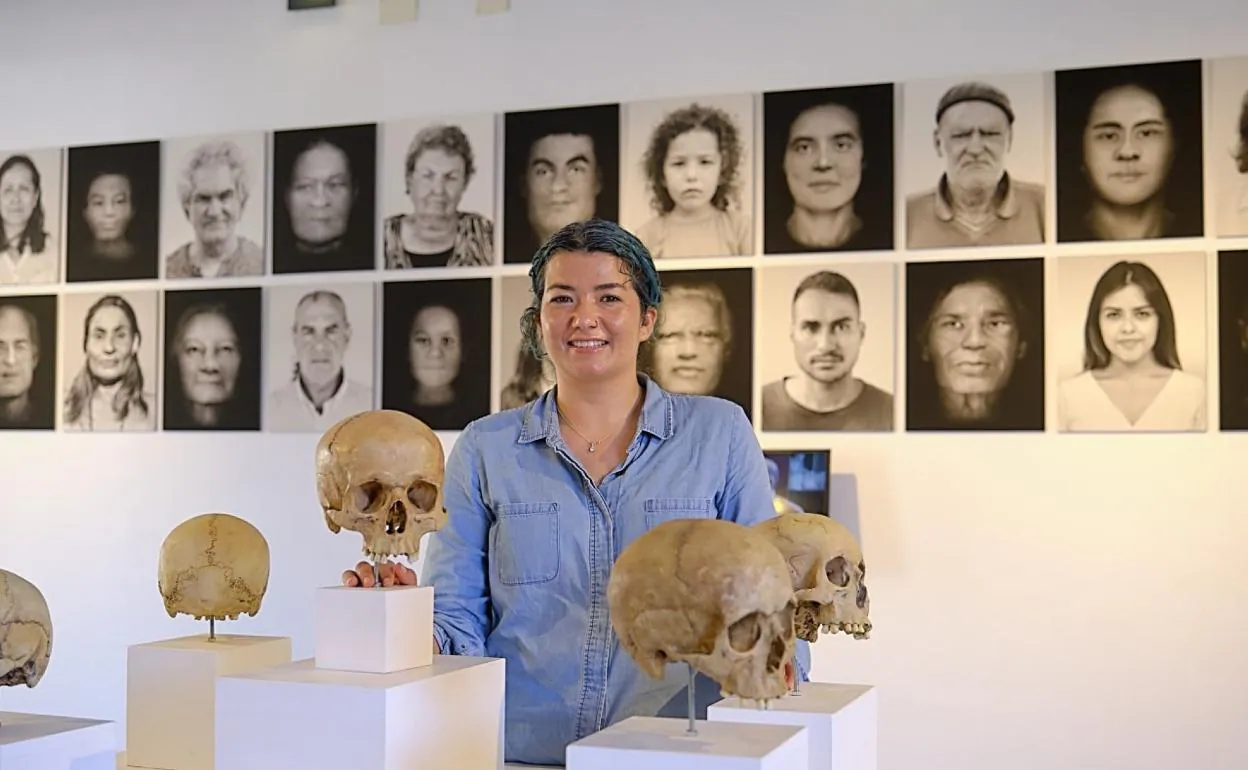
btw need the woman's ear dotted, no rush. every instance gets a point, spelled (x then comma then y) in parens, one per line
(648, 318)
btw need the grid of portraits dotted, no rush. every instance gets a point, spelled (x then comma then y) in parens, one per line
(1059, 251)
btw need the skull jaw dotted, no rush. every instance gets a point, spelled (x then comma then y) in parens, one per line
(839, 615)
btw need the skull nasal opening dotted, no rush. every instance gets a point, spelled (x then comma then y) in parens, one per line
(396, 519)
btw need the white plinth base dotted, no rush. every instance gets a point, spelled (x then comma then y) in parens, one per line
(841, 719)
(374, 630)
(448, 714)
(40, 742)
(656, 743)
(171, 690)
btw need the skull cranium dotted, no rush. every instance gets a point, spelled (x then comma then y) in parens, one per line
(379, 473)
(214, 566)
(710, 593)
(827, 571)
(25, 632)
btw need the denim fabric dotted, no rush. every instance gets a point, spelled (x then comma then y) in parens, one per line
(520, 570)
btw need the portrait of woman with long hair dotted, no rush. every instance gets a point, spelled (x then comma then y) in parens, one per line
(109, 391)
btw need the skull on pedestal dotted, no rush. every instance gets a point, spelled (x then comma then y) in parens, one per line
(214, 566)
(25, 632)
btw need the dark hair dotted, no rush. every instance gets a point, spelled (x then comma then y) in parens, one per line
(592, 235)
(1119, 276)
(1241, 145)
(33, 234)
(832, 283)
(682, 121)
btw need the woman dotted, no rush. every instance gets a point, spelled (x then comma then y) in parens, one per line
(541, 500)
(107, 394)
(28, 252)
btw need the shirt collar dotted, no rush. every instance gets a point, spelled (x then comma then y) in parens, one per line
(1007, 201)
(541, 418)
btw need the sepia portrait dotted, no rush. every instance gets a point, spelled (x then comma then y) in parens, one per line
(1227, 156)
(687, 176)
(212, 209)
(437, 192)
(1128, 342)
(112, 217)
(110, 345)
(975, 345)
(28, 340)
(212, 359)
(975, 161)
(1129, 152)
(436, 349)
(319, 356)
(1233, 339)
(559, 166)
(30, 212)
(828, 169)
(523, 375)
(827, 346)
(324, 199)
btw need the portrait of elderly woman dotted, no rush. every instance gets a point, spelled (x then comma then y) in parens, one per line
(29, 218)
(438, 226)
(975, 347)
(212, 361)
(108, 355)
(113, 212)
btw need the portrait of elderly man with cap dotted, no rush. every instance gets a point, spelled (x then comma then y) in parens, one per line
(976, 201)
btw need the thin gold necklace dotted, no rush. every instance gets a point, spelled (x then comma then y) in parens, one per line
(593, 445)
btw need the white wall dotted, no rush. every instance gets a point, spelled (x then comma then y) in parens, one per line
(1041, 601)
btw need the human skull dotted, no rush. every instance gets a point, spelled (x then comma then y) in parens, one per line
(379, 473)
(25, 632)
(827, 571)
(214, 566)
(710, 593)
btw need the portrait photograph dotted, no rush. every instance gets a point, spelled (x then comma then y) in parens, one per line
(687, 175)
(703, 341)
(213, 206)
(1130, 152)
(110, 346)
(1233, 340)
(559, 166)
(28, 355)
(522, 375)
(975, 160)
(975, 345)
(438, 192)
(828, 169)
(30, 212)
(799, 479)
(212, 356)
(827, 346)
(1227, 156)
(324, 199)
(1128, 343)
(319, 355)
(436, 350)
(112, 212)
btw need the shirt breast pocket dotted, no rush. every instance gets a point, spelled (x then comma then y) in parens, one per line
(661, 509)
(526, 543)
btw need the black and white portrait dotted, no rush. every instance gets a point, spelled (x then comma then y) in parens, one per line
(436, 343)
(324, 199)
(687, 177)
(438, 192)
(319, 357)
(30, 212)
(828, 169)
(213, 206)
(522, 375)
(1129, 152)
(827, 344)
(799, 480)
(1128, 342)
(559, 166)
(975, 345)
(112, 217)
(212, 359)
(703, 341)
(975, 161)
(110, 346)
(1233, 339)
(28, 339)
(1227, 156)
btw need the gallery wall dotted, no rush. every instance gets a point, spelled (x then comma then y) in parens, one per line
(1043, 587)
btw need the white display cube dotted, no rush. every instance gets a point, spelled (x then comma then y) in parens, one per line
(42, 742)
(374, 630)
(841, 719)
(658, 743)
(171, 690)
(448, 714)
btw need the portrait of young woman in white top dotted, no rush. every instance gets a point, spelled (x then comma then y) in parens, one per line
(1132, 378)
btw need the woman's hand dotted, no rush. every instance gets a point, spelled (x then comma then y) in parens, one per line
(392, 574)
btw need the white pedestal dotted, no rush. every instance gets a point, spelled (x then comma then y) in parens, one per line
(374, 630)
(841, 719)
(448, 714)
(171, 694)
(657, 743)
(39, 742)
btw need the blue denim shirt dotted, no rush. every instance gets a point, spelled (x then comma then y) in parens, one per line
(520, 569)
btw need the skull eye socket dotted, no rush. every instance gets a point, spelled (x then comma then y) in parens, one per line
(423, 495)
(368, 497)
(838, 571)
(745, 633)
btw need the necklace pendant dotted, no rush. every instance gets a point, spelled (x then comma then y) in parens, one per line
(592, 448)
